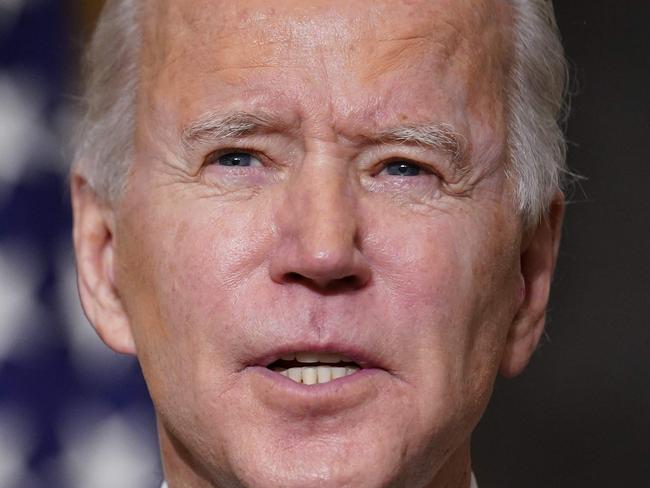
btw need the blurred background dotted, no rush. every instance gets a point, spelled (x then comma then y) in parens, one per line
(73, 414)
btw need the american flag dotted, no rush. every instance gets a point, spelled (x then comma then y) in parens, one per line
(72, 413)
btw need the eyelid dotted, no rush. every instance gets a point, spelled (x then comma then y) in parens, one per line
(426, 168)
(212, 157)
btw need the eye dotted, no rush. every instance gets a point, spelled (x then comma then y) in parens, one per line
(402, 168)
(239, 159)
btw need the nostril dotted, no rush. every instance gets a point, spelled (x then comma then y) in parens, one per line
(326, 284)
(350, 281)
(294, 278)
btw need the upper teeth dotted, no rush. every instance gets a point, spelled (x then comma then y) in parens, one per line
(323, 373)
(316, 357)
(319, 374)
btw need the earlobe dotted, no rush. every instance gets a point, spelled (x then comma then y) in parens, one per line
(538, 258)
(93, 233)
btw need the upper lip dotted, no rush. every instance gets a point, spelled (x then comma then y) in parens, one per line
(362, 356)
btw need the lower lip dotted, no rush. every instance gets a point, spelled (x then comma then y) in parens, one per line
(342, 393)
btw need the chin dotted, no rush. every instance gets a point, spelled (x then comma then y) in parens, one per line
(335, 452)
(318, 463)
(351, 450)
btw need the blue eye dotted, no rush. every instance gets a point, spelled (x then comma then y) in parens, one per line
(403, 168)
(237, 159)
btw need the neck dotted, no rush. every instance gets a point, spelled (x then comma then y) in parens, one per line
(456, 472)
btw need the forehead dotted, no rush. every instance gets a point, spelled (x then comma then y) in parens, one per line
(206, 50)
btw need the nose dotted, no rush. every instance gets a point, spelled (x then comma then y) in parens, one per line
(319, 241)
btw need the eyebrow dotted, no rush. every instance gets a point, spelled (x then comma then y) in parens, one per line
(439, 137)
(214, 126)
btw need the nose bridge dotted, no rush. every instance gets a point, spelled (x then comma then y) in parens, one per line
(325, 207)
(318, 226)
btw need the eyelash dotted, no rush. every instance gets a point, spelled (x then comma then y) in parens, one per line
(213, 159)
(420, 166)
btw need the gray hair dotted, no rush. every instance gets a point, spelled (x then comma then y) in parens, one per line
(535, 97)
(536, 108)
(104, 145)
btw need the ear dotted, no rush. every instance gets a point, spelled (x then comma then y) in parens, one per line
(538, 257)
(93, 232)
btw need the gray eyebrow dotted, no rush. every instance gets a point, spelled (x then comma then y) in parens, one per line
(439, 137)
(214, 126)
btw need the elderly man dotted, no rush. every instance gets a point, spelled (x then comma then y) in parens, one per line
(322, 226)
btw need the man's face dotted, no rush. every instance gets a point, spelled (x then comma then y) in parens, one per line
(320, 177)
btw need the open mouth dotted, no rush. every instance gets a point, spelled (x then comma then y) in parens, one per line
(311, 368)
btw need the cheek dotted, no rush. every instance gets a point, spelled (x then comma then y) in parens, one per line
(453, 287)
(213, 259)
(191, 265)
(424, 263)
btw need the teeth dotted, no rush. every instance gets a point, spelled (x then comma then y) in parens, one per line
(319, 367)
(309, 376)
(324, 374)
(330, 358)
(307, 357)
(295, 374)
(312, 375)
(315, 357)
(338, 373)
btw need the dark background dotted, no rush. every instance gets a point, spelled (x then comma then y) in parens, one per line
(73, 414)
(580, 414)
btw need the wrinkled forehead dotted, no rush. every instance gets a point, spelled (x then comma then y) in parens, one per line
(264, 30)
(355, 58)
